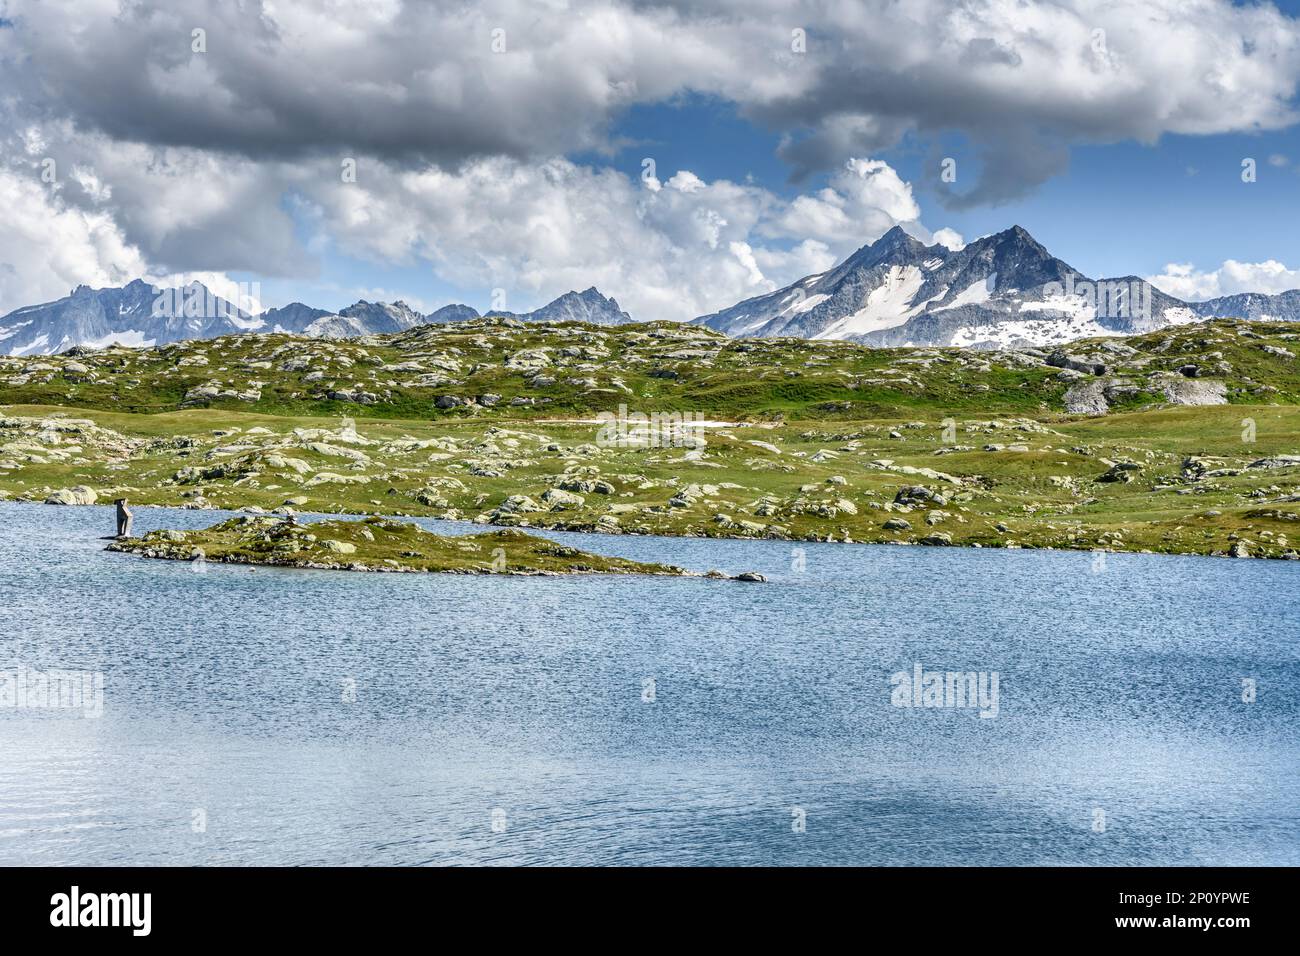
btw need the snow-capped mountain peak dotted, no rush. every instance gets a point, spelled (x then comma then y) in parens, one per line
(137, 314)
(140, 314)
(1002, 289)
(586, 306)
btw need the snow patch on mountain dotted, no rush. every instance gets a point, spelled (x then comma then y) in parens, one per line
(34, 346)
(1020, 333)
(131, 338)
(977, 293)
(247, 325)
(1181, 315)
(888, 305)
(804, 304)
(9, 331)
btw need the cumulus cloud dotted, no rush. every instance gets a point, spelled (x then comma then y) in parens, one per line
(950, 239)
(184, 209)
(47, 248)
(865, 197)
(670, 250)
(1186, 282)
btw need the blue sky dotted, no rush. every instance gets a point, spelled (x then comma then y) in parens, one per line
(1119, 208)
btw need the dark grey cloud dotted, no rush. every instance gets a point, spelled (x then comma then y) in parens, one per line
(408, 82)
(1022, 83)
(985, 50)
(420, 82)
(1012, 161)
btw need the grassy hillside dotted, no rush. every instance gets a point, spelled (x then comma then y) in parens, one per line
(571, 368)
(495, 422)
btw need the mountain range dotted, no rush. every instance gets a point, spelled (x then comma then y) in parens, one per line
(1003, 290)
(141, 314)
(1000, 290)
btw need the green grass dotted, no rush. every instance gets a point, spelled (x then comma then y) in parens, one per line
(806, 398)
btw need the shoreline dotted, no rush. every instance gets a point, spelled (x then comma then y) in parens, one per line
(379, 544)
(570, 529)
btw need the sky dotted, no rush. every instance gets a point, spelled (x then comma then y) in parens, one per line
(678, 156)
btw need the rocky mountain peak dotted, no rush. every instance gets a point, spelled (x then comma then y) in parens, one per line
(1004, 289)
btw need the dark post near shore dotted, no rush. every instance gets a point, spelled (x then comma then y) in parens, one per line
(124, 517)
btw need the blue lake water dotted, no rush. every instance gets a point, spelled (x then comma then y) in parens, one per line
(260, 716)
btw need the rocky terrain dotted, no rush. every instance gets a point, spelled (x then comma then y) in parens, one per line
(1185, 439)
(375, 544)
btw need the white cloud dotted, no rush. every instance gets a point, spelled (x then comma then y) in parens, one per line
(745, 256)
(949, 239)
(48, 248)
(674, 249)
(538, 230)
(686, 181)
(183, 209)
(1184, 281)
(864, 198)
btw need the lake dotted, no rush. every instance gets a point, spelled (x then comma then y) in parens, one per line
(268, 716)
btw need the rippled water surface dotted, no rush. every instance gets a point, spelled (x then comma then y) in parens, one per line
(522, 700)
